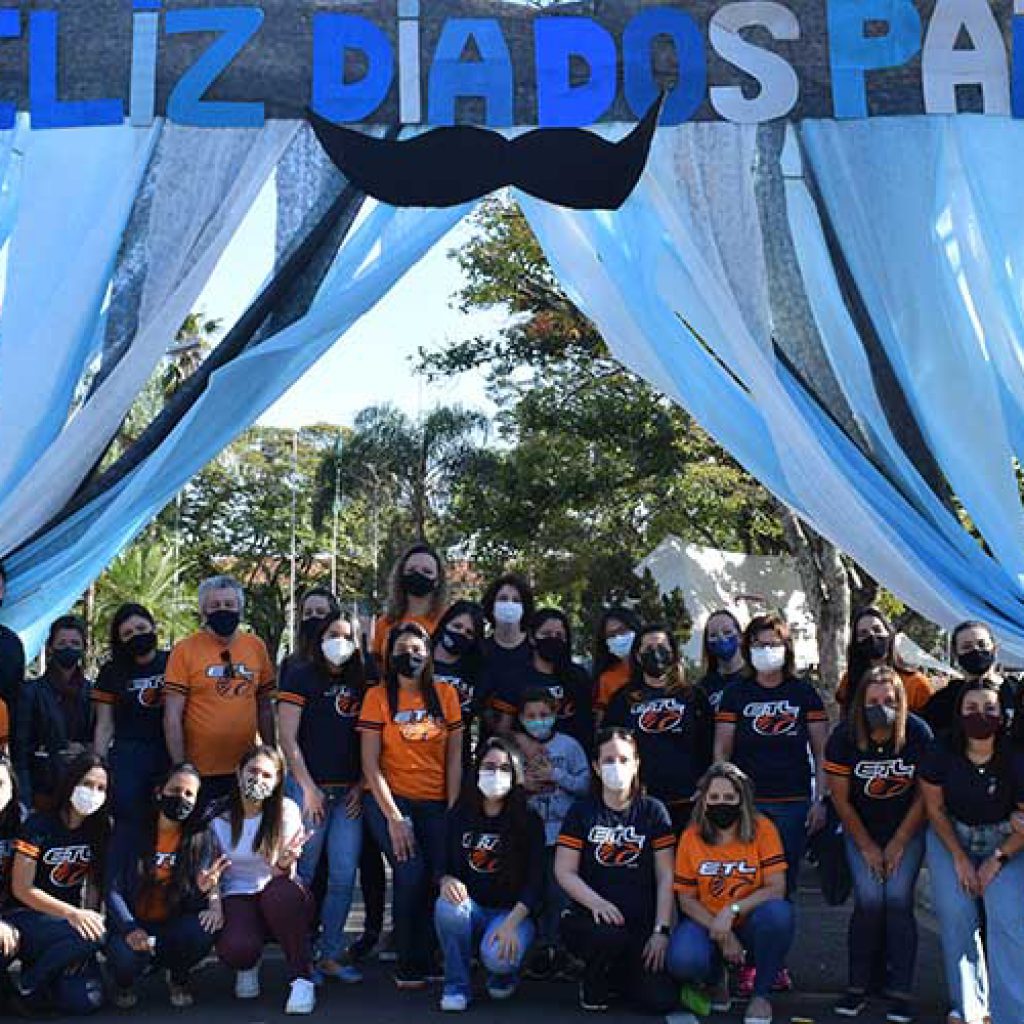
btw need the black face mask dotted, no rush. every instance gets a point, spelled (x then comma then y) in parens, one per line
(656, 661)
(409, 665)
(879, 716)
(223, 622)
(418, 584)
(456, 643)
(975, 662)
(979, 726)
(175, 807)
(309, 626)
(872, 647)
(723, 815)
(67, 657)
(552, 649)
(141, 644)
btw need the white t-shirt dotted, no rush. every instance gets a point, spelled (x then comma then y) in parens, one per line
(250, 871)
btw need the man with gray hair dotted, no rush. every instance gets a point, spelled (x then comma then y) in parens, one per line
(217, 690)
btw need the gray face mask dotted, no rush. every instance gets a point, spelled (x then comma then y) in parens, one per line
(257, 790)
(879, 716)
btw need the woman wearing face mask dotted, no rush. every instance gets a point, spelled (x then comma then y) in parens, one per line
(316, 604)
(556, 775)
(54, 714)
(318, 708)
(872, 646)
(613, 641)
(456, 648)
(972, 785)
(128, 703)
(671, 719)
(508, 605)
(730, 878)
(163, 898)
(722, 659)
(872, 758)
(492, 878)
(260, 833)
(615, 863)
(57, 881)
(412, 762)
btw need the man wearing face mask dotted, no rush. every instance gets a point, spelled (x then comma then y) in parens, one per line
(217, 690)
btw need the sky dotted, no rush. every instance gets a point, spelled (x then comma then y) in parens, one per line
(372, 363)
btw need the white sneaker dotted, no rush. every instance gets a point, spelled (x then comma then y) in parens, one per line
(302, 998)
(454, 1002)
(247, 983)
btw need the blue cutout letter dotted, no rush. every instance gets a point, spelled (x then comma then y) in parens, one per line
(851, 53)
(637, 58)
(334, 35)
(556, 42)
(490, 77)
(186, 104)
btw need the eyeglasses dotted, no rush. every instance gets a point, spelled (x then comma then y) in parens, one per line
(229, 668)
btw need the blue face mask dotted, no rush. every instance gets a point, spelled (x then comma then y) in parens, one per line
(724, 647)
(539, 728)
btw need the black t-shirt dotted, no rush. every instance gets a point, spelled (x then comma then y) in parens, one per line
(462, 676)
(675, 733)
(617, 850)
(882, 783)
(136, 693)
(502, 674)
(327, 729)
(715, 683)
(938, 712)
(63, 856)
(12, 668)
(473, 854)
(771, 739)
(573, 691)
(975, 794)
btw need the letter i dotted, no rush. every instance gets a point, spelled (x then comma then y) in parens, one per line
(145, 32)
(410, 103)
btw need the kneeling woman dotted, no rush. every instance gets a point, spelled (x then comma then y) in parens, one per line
(163, 896)
(731, 882)
(261, 834)
(614, 860)
(494, 868)
(58, 868)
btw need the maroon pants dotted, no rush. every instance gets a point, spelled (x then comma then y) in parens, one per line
(283, 911)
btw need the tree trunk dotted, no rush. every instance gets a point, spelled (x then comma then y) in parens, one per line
(827, 586)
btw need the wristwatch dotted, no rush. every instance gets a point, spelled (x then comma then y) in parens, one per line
(662, 929)
(735, 909)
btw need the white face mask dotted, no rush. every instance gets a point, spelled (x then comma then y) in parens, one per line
(508, 613)
(494, 785)
(86, 800)
(621, 645)
(767, 659)
(617, 777)
(338, 649)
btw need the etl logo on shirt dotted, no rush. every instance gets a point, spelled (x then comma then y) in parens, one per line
(885, 779)
(483, 851)
(69, 865)
(773, 717)
(346, 701)
(147, 691)
(661, 715)
(616, 846)
(417, 726)
(239, 682)
(730, 875)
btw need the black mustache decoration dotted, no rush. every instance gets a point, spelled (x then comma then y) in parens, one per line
(450, 166)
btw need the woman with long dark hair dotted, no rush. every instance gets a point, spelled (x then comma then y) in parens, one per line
(721, 654)
(163, 897)
(614, 861)
(613, 640)
(318, 708)
(315, 605)
(260, 832)
(490, 889)
(128, 705)
(508, 604)
(671, 719)
(412, 763)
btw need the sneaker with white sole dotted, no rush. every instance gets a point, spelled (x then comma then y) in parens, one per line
(454, 1002)
(302, 997)
(247, 983)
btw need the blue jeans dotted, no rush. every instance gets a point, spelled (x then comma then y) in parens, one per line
(767, 933)
(883, 922)
(966, 975)
(181, 942)
(460, 928)
(413, 880)
(790, 818)
(136, 768)
(342, 837)
(49, 945)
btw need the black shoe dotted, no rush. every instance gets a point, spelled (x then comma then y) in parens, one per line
(540, 964)
(409, 980)
(563, 967)
(850, 1005)
(593, 997)
(362, 947)
(900, 1011)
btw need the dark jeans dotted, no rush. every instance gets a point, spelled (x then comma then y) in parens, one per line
(373, 881)
(283, 911)
(413, 879)
(136, 768)
(883, 926)
(613, 962)
(790, 818)
(181, 943)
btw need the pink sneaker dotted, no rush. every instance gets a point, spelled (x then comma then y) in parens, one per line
(783, 982)
(745, 978)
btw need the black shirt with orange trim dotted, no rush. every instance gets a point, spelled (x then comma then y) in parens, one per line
(63, 856)
(617, 850)
(771, 742)
(715, 683)
(986, 794)
(136, 693)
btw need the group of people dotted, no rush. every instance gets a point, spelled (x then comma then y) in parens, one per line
(628, 828)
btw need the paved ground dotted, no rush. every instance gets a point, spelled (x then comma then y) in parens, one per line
(818, 964)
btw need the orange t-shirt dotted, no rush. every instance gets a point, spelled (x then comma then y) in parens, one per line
(721, 875)
(916, 684)
(151, 904)
(222, 685)
(414, 745)
(609, 682)
(384, 625)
